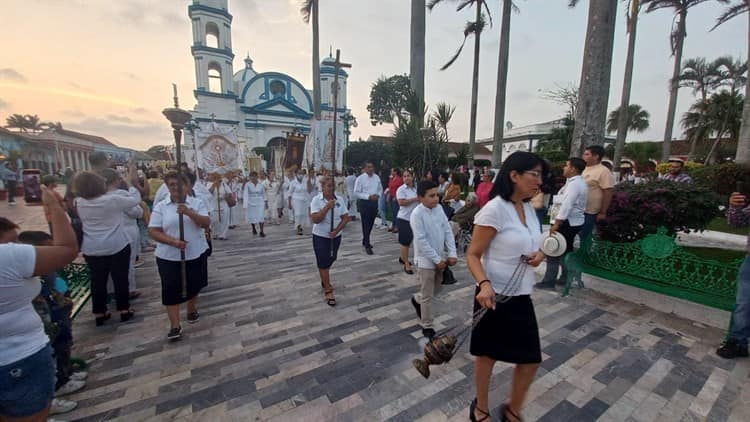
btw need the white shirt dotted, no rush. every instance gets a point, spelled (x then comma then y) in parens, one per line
(161, 194)
(218, 196)
(21, 329)
(165, 217)
(202, 193)
(323, 229)
(255, 195)
(512, 240)
(365, 186)
(433, 237)
(350, 181)
(405, 192)
(131, 215)
(572, 199)
(102, 217)
(298, 190)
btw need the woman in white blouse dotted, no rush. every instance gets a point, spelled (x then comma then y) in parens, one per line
(504, 245)
(407, 198)
(164, 229)
(255, 202)
(299, 200)
(106, 246)
(329, 213)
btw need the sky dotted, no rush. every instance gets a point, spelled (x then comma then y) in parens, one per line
(106, 67)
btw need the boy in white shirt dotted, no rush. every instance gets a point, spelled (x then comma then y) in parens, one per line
(434, 251)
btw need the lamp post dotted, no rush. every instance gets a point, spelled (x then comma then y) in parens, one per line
(178, 118)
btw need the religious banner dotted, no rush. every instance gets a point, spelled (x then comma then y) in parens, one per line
(296, 151)
(217, 149)
(321, 144)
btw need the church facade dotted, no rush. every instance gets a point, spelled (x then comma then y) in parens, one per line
(237, 112)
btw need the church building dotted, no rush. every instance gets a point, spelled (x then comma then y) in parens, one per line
(239, 111)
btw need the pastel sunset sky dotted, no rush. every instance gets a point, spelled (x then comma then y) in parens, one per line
(106, 67)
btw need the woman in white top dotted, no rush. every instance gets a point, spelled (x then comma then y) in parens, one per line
(235, 187)
(299, 200)
(165, 230)
(27, 368)
(504, 246)
(272, 186)
(255, 202)
(219, 207)
(329, 213)
(288, 179)
(106, 246)
(407, 198)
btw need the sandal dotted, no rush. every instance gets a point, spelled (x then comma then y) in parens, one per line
(473, 408)
(505, 411)
(100, 320)
(330, 300)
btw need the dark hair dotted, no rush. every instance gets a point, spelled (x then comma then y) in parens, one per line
(520, 162)
(397, 170)
(7, 225)
(674, 160)
(253, 174)
(110, 176)
(48, 180)
(34, 237)
(368, 162)
(98, 159)
(577, 163)
(424, 186)
(444, 175)
(597, 150)
(176, 176)
(89, 185)
(456, 178)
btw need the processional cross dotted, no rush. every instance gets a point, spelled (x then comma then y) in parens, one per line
(337, 65)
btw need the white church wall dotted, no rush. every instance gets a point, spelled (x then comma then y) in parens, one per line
(223, 108)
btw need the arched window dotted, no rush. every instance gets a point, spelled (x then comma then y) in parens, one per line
(214, 78)
(277, 88)
(212, 35)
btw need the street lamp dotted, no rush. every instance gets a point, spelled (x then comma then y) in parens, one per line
(178, 118)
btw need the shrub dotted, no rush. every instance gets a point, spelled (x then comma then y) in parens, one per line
(662, 168)
(637, 210)
(722, 178)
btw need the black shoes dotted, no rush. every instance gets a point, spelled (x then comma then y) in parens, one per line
(102, 319)
(545, 286)
(474, 408)
(174, 333)
(428, 332)
(126, 316)
(193, 317)
(262, 234)
(730, 349)
(417, 307)
(368, 250)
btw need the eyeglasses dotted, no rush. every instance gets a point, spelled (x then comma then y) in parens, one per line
(534, 173)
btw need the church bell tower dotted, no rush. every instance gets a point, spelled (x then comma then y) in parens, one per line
(212, 47)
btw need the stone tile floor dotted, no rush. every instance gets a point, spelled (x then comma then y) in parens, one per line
(267, 347)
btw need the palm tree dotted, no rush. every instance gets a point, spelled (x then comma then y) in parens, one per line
(730, 72)
(475, 28)
(701, 77)
(623, 120)
(677, 42)
(637, 120)
(502, 83)
(442, 115)
(417, 57)
(718, 115)
(309, 12)
(743, 142)
(591, 113)
(24, 123)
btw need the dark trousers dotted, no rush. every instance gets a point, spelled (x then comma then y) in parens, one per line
(368, 210)
(555, 262)
(589, 225)
(100, 267)
(10, 185)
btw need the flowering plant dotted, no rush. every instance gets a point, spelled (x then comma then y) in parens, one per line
(637, 210)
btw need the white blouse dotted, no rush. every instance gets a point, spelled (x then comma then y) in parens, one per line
(298, 190)
(405, 192)
(165, 217)
(512, 240)
(255, 195)
(102, 217)
(323, 228)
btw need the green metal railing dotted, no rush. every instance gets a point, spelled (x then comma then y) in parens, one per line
(656, 263)
(79, 285)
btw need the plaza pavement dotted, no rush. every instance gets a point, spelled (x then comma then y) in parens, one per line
(267, 347)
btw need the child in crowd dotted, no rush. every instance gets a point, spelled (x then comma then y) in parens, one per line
(434, 251)
(50, 182)
(54, 307)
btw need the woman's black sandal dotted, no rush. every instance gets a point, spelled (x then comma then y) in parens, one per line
(473, 408)
(505, 411)
(100, 320)
(331, 301)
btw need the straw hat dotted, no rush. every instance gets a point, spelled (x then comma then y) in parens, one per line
(553, 244)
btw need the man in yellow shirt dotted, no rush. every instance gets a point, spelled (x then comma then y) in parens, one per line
(600, 182)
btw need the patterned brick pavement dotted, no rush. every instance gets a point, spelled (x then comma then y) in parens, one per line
(267, 347)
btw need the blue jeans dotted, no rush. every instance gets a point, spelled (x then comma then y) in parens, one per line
(382, 209)
(589, 223)
(394, 210)
(740, 330)
(28, 384)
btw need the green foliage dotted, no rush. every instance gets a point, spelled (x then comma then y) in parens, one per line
(722, 178)
(389, 99)
(555, 147)
(358, 152)
(637, 119)
(639, 209)
(639, 152)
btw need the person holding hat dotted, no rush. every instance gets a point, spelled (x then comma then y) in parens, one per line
(677, 172)
(567, 217)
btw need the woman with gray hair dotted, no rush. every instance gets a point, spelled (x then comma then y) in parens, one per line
(464, 217)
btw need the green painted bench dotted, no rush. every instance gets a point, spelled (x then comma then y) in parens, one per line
(79, 285)
(656, 263)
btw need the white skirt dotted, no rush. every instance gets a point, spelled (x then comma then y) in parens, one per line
(255, 213)
(301, 209)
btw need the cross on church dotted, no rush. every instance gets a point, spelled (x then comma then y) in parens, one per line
(337, 65)
(212, 116)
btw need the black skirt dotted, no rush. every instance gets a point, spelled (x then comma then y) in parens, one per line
(405, 235)
(322, 246)
(509, 333)
(171, 281)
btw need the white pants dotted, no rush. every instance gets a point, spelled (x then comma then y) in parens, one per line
(234, 215)
(301, 208)
(353, 212)
(220, 222)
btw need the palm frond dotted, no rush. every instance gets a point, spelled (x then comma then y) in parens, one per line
(455, 56)
(472, 27)
(306, 10)
(463, 4)
(731, 12)
(487, 8)
(572, 3)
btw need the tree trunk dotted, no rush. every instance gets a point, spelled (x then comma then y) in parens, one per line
(502, 83)
(743, 143)
(474, 89)
(622, 119)
(591, 112)
(417, 60)
(674, 87)
(316, 60)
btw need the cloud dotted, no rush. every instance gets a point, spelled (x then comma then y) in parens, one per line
(120, 119)
(3, 104)
(80, 87)
(73, 113)
(11, 75)
(140, 110)
(122, 134)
